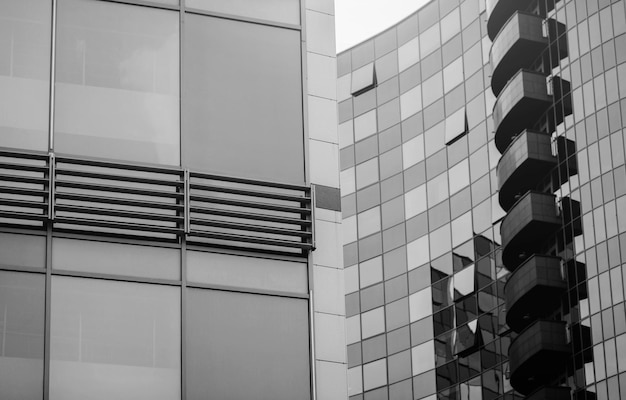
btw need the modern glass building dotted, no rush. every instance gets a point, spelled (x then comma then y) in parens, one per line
(169, 200)
(483, 198)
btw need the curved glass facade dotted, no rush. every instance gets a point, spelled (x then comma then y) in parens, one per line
(425, 280)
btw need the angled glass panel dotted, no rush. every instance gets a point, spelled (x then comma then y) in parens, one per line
(363, 79)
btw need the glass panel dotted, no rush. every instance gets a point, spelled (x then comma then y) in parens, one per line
(453, 75)
(423, 357)
(464, 283)
(371, 271)
(24, 73)
(417, 252)
(365, 125)
(244, 346)
(413, 151)
(246, 272)
(22, 250)
(115, 258)
(355, 380)
(117, 82)
(456, 125)
(420, 304)
(429, 40)
(411, 102)
(367, 173)
(286, 11)
(114, 340)
(437, 189)
(440, 241)
(432, 89)
(408, 54)
(415, 201)
(375, 374)
(243, 96)
(369, 222)
(22, 299)
(459, 176)
(450, 25)
(373, 322)
(363, 78)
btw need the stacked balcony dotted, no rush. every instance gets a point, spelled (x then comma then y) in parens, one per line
(532, 220)
(538, 355)
(520, 42)
(524, 98)
(530, 105)
(500, 11)
(533, 291)
(528, 156)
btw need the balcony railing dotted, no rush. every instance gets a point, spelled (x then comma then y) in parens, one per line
(156, 203)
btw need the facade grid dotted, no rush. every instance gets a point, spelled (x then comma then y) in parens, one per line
(482, 159)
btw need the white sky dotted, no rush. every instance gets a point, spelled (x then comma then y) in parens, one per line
(357, 20)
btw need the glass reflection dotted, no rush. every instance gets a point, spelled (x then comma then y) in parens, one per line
(117, 82)
(24, 73)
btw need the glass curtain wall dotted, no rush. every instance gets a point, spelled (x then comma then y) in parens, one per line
(106, 317)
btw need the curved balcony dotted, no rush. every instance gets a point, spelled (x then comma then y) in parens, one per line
(551, 393)
(499, 11)
(521, 103)
(525, 228)
(528, 158)
(519, 43)
(533, 291)
(538, 355)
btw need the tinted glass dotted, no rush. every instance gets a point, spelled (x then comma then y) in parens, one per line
(114, 340)
(242, 97)
(117, 79)
(244, 346)
(22, 299)
(24, 73)
(247, 272)
(287, 11)
(115, 258)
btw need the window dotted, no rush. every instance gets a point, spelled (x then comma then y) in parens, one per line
(114, 340)
(24, 73)
(22, 331)
(363, 79)
(242, 97)
(285, 11)
(117, 89)
(232, 337)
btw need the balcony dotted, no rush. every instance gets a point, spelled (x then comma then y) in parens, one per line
(521, 103)
(529, 223)
(528, 158)
(533, 291)
(499, 11)
(551, 393)
(520, 42)
(538, 355)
